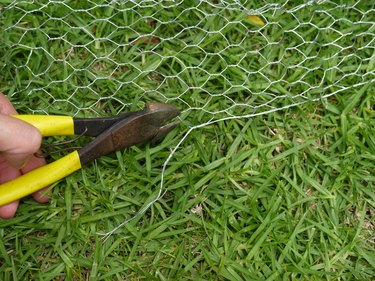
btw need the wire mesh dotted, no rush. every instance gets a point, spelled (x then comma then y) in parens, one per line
(216, 60)
(195, 53)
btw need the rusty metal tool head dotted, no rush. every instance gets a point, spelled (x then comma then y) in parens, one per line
(147, 125)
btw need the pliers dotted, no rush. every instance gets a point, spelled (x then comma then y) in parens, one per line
(112, 134)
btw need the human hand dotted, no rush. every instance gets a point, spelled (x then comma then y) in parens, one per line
(18, 142)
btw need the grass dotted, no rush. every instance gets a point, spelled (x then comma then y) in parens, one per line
(286, 195)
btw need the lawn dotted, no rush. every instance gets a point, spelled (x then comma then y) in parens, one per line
(270, 174)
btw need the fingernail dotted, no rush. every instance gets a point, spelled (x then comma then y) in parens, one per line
(23, 164)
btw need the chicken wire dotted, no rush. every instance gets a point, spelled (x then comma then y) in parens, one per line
(216, 60)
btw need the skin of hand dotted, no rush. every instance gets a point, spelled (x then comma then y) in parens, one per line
(18, 143)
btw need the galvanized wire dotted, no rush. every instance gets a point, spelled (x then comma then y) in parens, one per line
(226, 59)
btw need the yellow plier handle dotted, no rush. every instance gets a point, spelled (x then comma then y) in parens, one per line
(50, 125)
(39, 178)
(48, 174)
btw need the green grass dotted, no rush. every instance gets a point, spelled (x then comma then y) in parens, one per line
(286, 195)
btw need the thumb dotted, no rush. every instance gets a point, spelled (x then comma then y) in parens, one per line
(18, 140)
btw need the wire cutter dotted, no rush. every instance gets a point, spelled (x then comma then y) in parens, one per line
(112, 133)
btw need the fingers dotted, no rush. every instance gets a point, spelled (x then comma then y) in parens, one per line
(9, 210)
(6, 107)
(18, 142)
(8, 173)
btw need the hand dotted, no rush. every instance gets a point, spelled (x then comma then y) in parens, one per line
(18, 142)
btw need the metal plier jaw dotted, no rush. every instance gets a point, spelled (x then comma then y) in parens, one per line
(112, 134)
(139, 127)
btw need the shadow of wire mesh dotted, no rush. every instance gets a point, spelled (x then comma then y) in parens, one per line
(206, 56)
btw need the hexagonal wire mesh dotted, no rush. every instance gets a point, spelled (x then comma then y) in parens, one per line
(226, 59)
